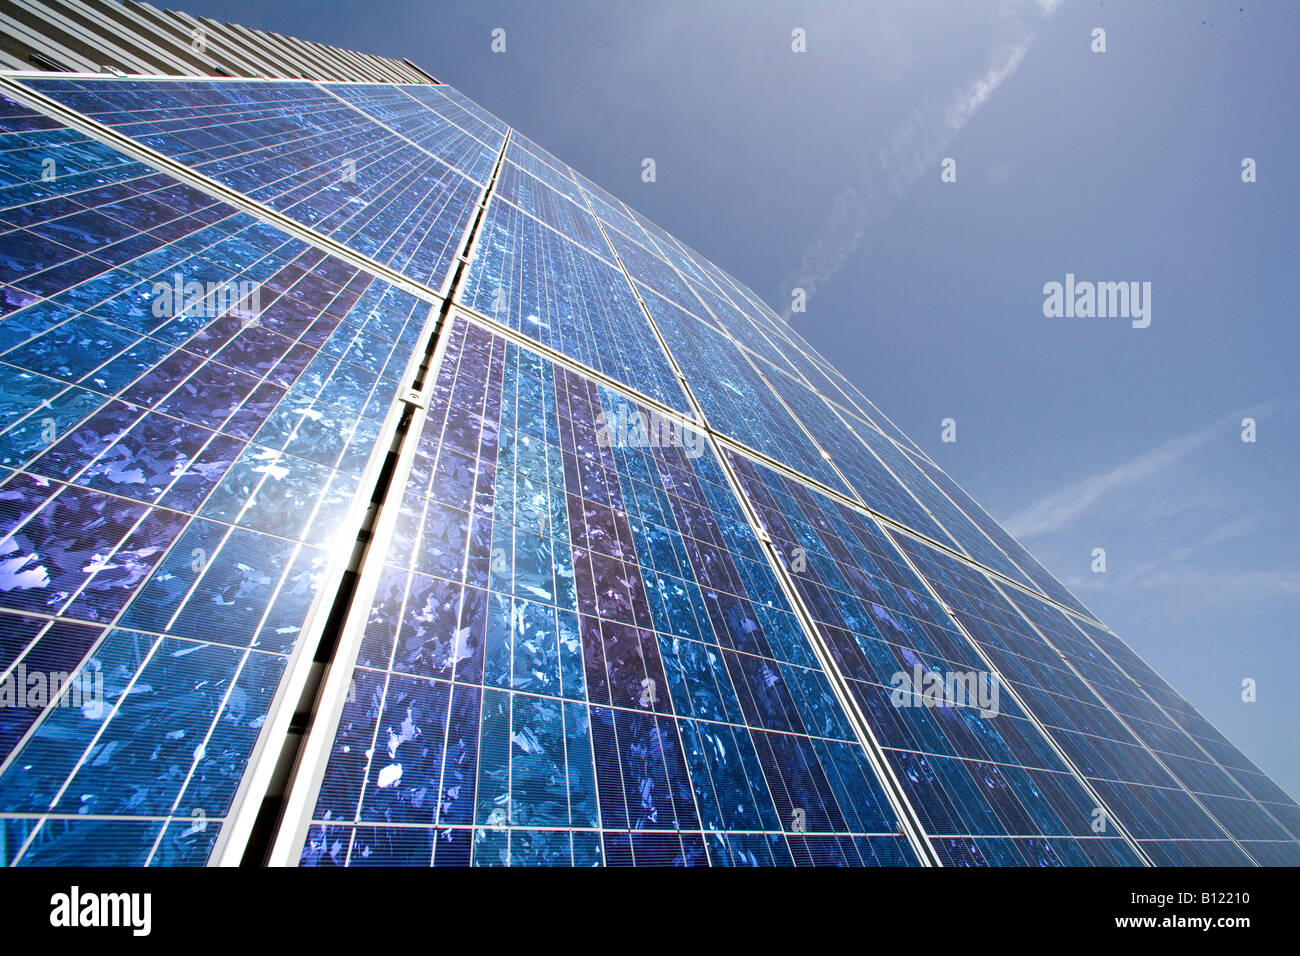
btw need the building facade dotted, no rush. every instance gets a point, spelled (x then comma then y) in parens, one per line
(377, 489)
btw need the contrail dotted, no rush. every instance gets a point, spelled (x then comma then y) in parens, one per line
(914, 148)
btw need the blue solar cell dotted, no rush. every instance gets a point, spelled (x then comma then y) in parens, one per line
(733, 396)
(632, 687)
(533, 196)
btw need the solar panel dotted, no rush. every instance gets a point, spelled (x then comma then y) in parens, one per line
(532, 279)
(181, 463)
(577, 636)
(732, 394)
(983, 778)
(1169, 823)
(435, 134)
(301, 151)
(577, 654)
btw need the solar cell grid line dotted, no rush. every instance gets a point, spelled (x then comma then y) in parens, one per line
(843, 565)
(319, 311)
(29, 98)
(345, 176)
(1169, 824)
(623, 613)
(909, 824)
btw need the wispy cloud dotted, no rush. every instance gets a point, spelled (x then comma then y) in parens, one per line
(914, 148)
(1230, 586)
(1169, 568)
(1063, 507)
(1234, 585)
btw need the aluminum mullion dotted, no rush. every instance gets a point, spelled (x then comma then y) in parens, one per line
(237, 827)
(313, 756)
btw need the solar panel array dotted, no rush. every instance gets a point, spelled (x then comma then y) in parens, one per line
(651, 583)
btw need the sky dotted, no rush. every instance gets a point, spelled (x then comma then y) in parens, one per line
(821, 170)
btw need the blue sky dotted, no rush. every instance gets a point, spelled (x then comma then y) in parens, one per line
(822, 170)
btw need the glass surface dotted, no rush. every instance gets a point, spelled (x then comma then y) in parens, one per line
(578, 655)
(534, 280)
(972, 764)
(179, 460)
(301, 151)
(1168, 822)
